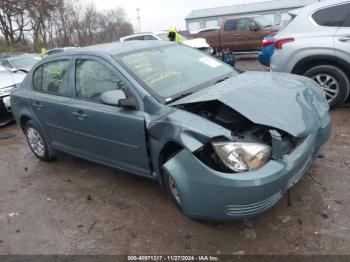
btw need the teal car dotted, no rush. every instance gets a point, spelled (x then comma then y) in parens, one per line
(223, 145)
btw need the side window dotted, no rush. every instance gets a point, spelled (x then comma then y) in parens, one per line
(141, 37)
(245, 24)
(149, 37)
(346, 22)
(230, 25)
(93, 79)
(37, 79)
(54, 78)
(7, 64)
(332, 16)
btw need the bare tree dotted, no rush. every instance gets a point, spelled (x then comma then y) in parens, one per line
(13, 20)
(54, 23)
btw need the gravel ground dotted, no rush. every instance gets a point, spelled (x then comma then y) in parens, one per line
(72, 206)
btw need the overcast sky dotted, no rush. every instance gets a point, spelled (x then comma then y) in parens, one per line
(160, 14)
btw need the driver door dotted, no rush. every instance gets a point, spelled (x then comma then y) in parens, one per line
(108, 134)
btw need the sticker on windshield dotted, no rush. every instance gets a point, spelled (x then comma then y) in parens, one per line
(210, 62)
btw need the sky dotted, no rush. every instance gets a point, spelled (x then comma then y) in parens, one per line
(160, 14)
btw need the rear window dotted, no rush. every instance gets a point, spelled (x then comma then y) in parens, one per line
(52, 78)
(230, 25)
(347, 22)
(332, 16)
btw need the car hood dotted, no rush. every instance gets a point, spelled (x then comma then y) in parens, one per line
(9, 79)
(5, 79)
(287, 102)
(197, 43)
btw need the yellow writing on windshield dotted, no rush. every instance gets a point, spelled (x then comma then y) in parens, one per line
(155, 79)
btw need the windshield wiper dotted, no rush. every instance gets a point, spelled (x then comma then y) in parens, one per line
(178, 97)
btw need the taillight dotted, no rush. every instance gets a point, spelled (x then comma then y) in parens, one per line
(279, 43)
(268, 42)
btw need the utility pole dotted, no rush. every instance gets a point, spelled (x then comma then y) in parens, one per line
(139, 18)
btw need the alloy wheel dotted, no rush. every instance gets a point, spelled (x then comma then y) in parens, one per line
(36, 142)
(329, 85)
(174, 191)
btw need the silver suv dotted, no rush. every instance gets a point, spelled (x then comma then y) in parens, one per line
(316, 44)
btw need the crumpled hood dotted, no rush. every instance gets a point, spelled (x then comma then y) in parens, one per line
(287, 102)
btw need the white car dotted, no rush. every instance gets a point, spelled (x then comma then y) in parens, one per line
(8, 80)
(198, 43)
(316, 44)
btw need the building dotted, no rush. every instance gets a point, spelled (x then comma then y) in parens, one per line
(276, 11)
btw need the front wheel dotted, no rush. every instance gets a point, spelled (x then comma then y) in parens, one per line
(172, 191)
(333, 81)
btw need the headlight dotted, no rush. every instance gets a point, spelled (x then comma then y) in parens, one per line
(241, 156)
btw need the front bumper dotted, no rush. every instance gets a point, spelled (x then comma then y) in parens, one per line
(5, 110)
(209, 194)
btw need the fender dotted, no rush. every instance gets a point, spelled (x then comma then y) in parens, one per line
(334, 59)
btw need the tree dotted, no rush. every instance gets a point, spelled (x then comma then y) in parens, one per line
(13, 20)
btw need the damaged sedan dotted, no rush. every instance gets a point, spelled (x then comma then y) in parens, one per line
(223, 145)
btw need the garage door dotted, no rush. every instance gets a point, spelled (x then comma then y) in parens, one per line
(211, 23)
(194, 26)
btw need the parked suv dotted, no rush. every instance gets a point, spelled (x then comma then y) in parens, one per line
(316, 44)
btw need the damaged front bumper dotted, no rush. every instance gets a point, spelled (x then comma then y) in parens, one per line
(209, 194)
(5, 110)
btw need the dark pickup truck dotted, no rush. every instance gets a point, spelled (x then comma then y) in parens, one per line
(243, 34)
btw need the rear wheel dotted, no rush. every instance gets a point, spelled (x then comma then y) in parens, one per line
(37, 142)
(333, 81)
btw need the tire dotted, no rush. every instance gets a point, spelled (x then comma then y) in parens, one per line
(37, 142)
(334, 82)
(170, 187)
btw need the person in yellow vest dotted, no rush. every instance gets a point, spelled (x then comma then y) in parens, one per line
(174, 36)
(43, 52)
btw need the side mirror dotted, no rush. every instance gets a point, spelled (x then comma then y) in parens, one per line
(254, 28)
(120, 98)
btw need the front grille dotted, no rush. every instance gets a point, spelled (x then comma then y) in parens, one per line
(251, 209)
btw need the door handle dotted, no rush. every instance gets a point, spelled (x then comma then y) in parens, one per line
(236, 34)
(80, 115)
(37, 105)
(345, 39)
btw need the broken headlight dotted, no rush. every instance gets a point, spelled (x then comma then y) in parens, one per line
(242, 156)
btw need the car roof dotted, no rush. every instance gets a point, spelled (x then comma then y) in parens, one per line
(319, 5)
(115, 48)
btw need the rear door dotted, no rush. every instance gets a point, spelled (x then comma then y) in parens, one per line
(228, 35)
(51, 98)
(342, 38)
(106, 133)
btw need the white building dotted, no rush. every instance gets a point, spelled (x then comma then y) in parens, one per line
(276, 11)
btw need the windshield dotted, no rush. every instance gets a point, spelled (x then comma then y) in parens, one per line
(264, 21)
(25, 62)
(172, 71)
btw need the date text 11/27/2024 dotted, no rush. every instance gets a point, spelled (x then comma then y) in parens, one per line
(173, 258)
